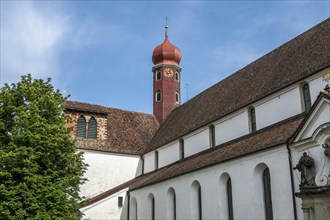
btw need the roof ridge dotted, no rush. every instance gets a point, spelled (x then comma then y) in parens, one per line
(107, 107)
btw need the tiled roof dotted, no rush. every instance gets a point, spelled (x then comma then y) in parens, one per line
(127, 132)
(261, 140)
(289, 63)
(85, 107)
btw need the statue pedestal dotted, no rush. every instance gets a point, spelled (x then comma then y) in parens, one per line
(315, 202)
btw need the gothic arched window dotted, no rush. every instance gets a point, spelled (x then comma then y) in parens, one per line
(307, 97)
(196, 198)
(253, 124)
(151, 202)
(181, 148)
(156, 159)
(81, 127)
(92, 128)
(133, 209)
(267, 195)
(171, 209)
(230, 200)
(212, 135)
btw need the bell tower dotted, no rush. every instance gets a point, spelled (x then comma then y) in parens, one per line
(166, 74)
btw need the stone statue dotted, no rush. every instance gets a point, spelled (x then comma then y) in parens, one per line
(326, 147)
(307, 171)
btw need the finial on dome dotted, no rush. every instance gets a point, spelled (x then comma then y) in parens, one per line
(166, 26)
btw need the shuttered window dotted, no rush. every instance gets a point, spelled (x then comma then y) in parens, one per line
(81, 127)
(230, 200)
(267, 195)
(92, 128)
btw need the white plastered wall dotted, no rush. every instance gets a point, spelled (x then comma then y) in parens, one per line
(107, 170)
(149, 162)
(278, 108)
(196, 142)
(168, 154)
(234, 127)
(106, 208)
(242, 173)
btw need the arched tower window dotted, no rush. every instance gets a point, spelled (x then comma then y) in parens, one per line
(81, 127)
(177, 76)
(181, 147)
(177, 97)
(196, 201)
(267, 195)
(158, 96)
(253, 123)
(158, 75)
(171, 204)
(230, 200)
(306, 97)
(212, 135)
(92, 128)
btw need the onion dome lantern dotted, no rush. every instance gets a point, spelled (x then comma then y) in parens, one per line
(166, 52)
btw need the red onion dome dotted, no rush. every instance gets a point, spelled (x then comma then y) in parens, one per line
(166, 53)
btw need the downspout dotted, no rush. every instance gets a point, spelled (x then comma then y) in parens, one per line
(128, 202)
(292, 183)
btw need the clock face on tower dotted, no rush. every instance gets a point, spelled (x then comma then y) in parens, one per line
(168, 72)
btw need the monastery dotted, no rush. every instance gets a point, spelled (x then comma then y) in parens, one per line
(255, 145)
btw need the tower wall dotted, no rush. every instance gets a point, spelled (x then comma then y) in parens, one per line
(169, 85)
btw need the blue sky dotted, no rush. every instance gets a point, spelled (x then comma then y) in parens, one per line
(100, 51)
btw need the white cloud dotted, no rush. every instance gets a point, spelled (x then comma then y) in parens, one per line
(31, 38)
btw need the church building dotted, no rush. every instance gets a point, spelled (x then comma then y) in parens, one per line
(255, 145)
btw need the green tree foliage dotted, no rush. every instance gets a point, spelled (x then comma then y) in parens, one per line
(40, 170)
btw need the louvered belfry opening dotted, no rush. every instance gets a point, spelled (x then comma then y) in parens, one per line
(81, 127)
(92, 128)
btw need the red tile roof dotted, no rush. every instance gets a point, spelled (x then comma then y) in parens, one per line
(289, 63)
(127, 132)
